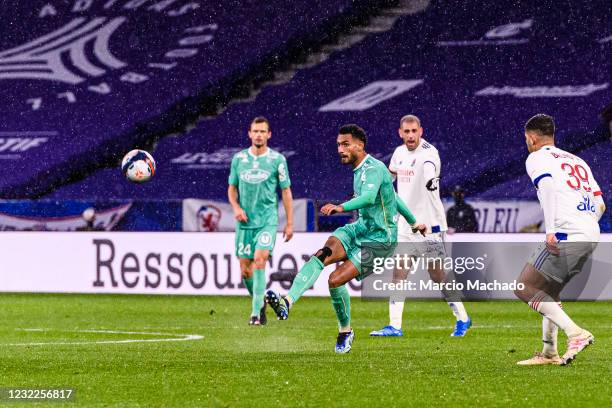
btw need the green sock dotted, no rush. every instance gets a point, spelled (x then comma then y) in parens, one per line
(341, 301)
(259, 287)
(307, 276)
(248, 282)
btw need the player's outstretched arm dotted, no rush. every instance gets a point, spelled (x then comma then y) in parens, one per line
(407, 214)
(366, 199)
(287, 197)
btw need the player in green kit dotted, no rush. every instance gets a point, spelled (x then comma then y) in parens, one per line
(374, 233)
(255, 175)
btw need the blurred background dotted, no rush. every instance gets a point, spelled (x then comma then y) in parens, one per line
(83, 82)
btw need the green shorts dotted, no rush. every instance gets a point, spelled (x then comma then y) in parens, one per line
(250, 240)
(361, 249)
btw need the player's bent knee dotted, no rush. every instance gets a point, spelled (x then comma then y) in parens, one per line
(323, 253)
(518, 293)
(260, 262)
(334, 281)
(245, 269)
(522, 293)
(246, 272)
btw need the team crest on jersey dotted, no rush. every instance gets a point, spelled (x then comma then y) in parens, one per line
(254, 176)
(265, 238)
(75, 53)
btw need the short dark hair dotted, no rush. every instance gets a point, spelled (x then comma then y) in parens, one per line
(355, 131)
(542, 124)
(260, 119)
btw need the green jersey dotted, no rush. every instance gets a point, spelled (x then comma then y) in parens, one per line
(378, 222)
(257, 179)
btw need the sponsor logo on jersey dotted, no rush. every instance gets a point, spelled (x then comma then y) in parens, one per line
(75, 56)
(507, 34)
(254, 176)
(543, 91)
(586, 205)
(282, 172)
(407, 172)
(370, 95)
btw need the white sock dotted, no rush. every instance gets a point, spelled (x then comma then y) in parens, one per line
(547, 307)
(549, 337)
(396, 309)
(458, 310)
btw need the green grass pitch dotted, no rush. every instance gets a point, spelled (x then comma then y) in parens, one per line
(291, 363)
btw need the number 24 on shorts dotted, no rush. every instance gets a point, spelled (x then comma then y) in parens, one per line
(244, 249)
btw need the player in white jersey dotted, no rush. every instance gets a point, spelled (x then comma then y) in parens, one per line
(416, 164)
(572, 203)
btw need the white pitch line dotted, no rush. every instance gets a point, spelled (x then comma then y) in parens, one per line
(183, 337)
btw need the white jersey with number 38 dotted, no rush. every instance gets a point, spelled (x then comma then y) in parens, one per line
(575, 217)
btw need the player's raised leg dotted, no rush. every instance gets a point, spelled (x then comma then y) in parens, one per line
(331, 252)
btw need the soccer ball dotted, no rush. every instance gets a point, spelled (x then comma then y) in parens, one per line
(138, 166)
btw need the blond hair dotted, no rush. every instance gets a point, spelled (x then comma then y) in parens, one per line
(410, 118)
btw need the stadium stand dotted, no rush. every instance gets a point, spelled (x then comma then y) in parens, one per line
(473, 82)
(83, 82)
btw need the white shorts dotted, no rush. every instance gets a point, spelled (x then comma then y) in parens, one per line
(430, 246)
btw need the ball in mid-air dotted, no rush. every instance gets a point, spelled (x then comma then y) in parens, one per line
(138, 166)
